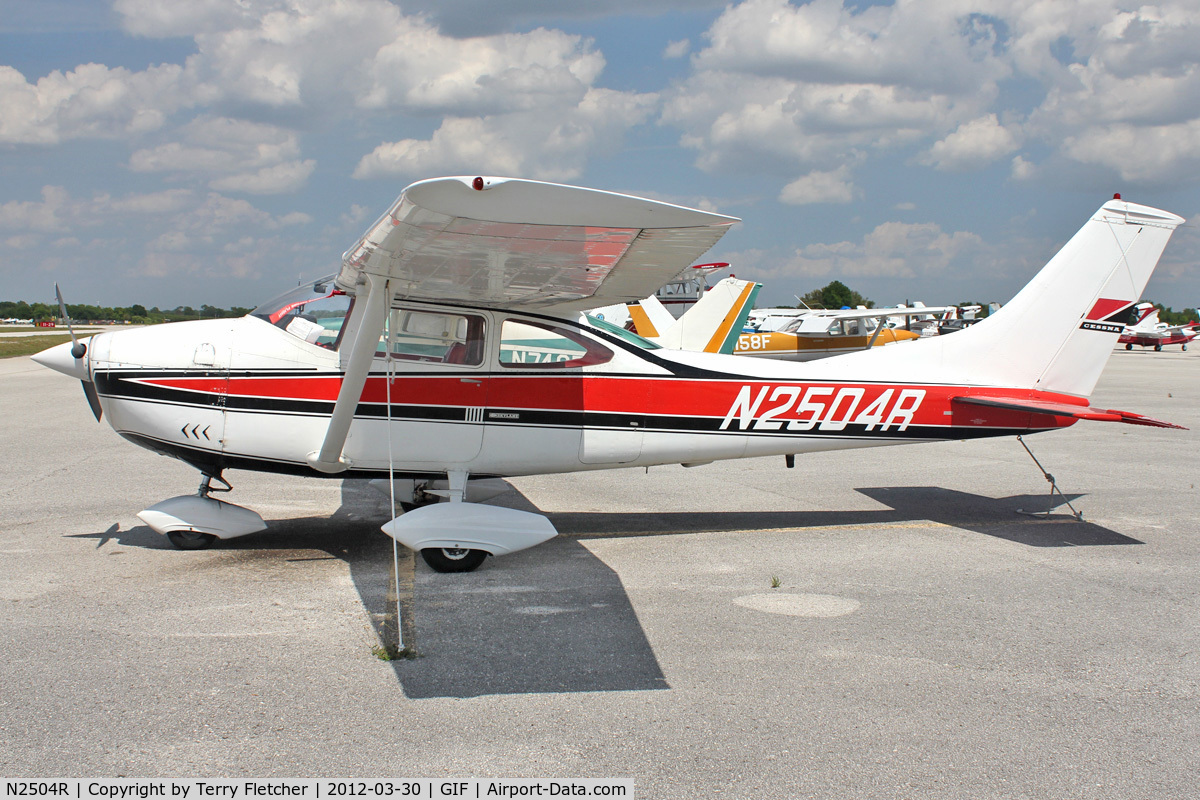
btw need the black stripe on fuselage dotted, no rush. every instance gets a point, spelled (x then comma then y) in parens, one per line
(213, 463)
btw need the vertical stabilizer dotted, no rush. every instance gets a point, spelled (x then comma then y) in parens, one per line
(713, 324)
(1084, 295)
(1058, 332)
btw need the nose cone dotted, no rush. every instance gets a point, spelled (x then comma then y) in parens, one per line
(59, 358)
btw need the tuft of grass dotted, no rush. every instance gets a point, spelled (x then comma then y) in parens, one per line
(775, 582)
(389, 652)
(28, 345)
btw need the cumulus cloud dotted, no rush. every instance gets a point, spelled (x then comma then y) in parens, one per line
(893, 250)
(677, 49)
(1022, 169)
(183, 231)
(826, 42)
(58, 210)
(268, 180)
(780, 85)
(1131, 100)
(91, 100)
(547, 148)
(477, 17)
(330, 58)
(834, 186)
(249, 157)
(303, 60)
(421, 69)
(972, 145)
(531, 99)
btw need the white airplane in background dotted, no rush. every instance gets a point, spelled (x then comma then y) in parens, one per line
(453, 346)
(1148, 331)
(683, 291)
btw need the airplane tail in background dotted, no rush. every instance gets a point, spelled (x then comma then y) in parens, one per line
(714, 323)
(1147, 318)
(650, 317)
(1057, 333)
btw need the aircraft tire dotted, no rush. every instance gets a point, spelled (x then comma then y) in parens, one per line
(1184, 348)
(191, 540)
(1128, 347)
(443, 559)
(1158, 348)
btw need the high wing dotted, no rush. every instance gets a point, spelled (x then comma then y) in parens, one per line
(898, 311)
(509, 243)
(506, 243)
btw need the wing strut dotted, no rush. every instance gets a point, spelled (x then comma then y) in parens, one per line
(329, 457)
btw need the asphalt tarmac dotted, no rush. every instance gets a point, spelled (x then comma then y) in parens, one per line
(924, 640)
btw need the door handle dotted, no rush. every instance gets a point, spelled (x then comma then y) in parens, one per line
(469, 380)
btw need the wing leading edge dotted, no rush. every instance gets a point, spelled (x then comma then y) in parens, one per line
(512, 243)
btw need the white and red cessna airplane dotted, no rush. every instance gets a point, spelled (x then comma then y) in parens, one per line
(452, 347)
(1147, 331)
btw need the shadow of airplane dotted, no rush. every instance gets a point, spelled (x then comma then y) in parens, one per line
(557, 618)
(997, 517)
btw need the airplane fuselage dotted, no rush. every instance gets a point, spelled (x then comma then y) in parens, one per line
(246, 394)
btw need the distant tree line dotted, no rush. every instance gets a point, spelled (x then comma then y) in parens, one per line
(136, 314)
(1165, 314)
(835, 295)
(838, 295)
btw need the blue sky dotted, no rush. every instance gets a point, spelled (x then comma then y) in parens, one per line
(211, 151)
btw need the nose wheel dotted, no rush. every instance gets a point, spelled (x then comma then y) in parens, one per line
(198, 540)
(191, 540)
(196, 521)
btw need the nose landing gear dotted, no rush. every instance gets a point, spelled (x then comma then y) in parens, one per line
(196, 521)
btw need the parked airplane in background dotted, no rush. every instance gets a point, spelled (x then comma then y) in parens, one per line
(685, 289)
(811, 334)
(712, 325)
(1147, 331)
(453, 345)
(821, 334)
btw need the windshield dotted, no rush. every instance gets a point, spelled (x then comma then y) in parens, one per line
(313, 312)
(616, 330)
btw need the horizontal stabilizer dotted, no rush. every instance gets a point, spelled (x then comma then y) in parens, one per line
(1065, 410)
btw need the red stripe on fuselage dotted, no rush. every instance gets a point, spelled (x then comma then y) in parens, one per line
(744, 403)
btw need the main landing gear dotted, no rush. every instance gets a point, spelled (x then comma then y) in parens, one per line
(457, 536)
(453, 559)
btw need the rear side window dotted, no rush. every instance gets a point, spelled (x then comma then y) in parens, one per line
(526, 344)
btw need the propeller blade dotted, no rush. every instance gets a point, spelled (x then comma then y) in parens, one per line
(93, 398)
(77, 349)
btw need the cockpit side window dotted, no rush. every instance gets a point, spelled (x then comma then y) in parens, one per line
(434, 336)
(313, 312)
